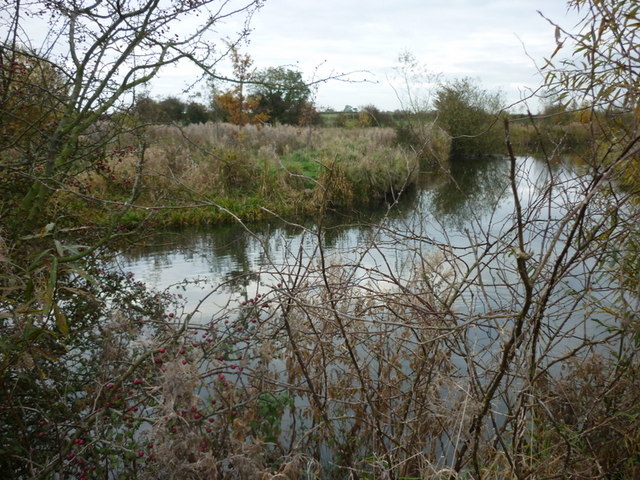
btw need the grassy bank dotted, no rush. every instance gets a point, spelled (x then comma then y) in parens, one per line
(212, 173)
(227, 170)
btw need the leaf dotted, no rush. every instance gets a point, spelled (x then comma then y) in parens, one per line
(603, 25)
(558, 47)
(38, 257)
(49, 356)
(29, 290)
(61, 320)
(48, 228)
(84, 274)
(91, 297)
(59, 248)
(51, 287)
(35, 333)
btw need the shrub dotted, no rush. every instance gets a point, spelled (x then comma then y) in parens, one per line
(469, 115)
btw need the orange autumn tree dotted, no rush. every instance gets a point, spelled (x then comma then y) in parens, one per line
(233, 104)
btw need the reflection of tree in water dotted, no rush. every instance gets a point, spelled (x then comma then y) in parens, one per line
(225, 250)
(354, 227)
(474, 187)
(231, 243)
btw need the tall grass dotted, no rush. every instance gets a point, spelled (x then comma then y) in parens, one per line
(282, 168)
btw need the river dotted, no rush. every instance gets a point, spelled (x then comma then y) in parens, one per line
(442, 210)
(401, 312)
(452, 215)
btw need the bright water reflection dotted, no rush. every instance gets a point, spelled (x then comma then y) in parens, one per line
(474, 204)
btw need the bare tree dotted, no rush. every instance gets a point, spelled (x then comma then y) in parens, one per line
(99, 53)
(69, 71)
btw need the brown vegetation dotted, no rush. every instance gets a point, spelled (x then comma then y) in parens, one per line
(282, 168)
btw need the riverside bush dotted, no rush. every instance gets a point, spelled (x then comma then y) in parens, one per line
(469, 116)
(427, 140)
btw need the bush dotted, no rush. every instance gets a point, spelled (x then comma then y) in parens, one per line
(469, 115)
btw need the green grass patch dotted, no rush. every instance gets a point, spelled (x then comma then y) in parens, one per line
(306, 162)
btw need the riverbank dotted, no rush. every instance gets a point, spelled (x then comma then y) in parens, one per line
(214, 173)
(211, 173)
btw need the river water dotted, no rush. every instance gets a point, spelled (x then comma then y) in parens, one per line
(456, 235)
(452, 215)
(441, 211)
(460, 229)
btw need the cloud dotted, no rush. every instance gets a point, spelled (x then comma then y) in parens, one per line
(481, 39)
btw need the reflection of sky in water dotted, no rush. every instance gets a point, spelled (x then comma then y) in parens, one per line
(463, 215)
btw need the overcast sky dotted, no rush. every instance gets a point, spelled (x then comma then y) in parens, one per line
(496, 42)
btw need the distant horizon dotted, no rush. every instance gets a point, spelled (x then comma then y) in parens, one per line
(319, 108)
(496, 43)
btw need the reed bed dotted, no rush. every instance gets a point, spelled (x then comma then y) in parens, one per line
(247, 171)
